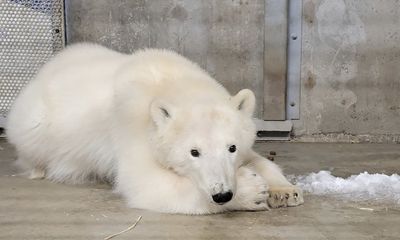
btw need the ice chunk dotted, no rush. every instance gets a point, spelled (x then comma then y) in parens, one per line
(361, 187)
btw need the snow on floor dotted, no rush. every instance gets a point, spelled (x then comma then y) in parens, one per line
(361, 187)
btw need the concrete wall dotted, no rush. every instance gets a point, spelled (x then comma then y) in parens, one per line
(350, 71)
(224, 37)
(350, 81)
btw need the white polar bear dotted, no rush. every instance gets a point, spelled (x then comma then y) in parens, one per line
(168, 136)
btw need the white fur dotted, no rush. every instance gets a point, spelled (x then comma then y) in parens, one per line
(92, 113)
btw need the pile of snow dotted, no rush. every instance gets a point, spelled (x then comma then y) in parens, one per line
(361, 187)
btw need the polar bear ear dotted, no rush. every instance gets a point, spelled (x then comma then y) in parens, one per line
(161, 112)
(244, 101)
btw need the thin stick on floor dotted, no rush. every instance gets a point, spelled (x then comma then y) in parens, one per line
(129, 228)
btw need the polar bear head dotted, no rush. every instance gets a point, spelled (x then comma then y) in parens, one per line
(206, 141)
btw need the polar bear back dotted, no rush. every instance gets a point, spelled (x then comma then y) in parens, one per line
(166, 74)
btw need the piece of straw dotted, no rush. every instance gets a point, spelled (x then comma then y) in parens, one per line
(129, 228)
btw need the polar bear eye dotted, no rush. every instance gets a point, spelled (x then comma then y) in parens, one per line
(232, 148)
(195, 153)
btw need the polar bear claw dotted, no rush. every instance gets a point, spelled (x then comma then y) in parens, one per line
(288, 196)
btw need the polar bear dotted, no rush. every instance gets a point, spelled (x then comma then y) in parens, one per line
(165, 133)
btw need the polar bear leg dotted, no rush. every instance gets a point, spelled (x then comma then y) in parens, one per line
(251, 191)
(158, 189)
(281, 192)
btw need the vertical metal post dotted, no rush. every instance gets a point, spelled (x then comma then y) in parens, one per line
(293, 59)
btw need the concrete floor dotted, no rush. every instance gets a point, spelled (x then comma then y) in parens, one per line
(43, 210)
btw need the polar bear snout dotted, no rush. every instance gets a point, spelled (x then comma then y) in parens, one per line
(222, 198)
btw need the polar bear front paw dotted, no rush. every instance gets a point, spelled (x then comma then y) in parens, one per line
(287, 196)
(252, 191)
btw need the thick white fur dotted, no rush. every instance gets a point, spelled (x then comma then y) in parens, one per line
(133, 120)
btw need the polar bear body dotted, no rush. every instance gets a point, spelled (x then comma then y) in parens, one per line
(136, 120)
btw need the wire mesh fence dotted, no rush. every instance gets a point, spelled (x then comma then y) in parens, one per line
(31, 32)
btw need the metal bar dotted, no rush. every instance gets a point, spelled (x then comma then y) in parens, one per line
(67, 21)
(294, 59)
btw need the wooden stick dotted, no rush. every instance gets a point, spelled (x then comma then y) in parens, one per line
(129, 228)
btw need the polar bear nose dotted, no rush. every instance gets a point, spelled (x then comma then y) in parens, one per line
(222, 198)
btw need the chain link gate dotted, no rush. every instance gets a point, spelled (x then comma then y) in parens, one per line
(31, 31)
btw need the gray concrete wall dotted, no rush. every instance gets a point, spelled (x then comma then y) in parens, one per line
(350, 71)
(350, 79)
(224, 37)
